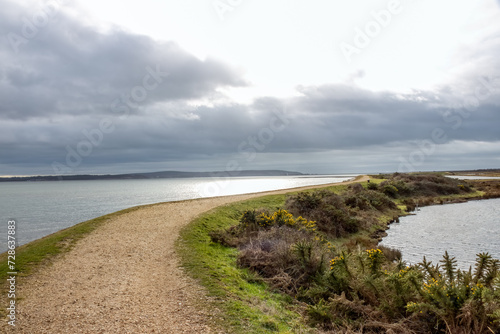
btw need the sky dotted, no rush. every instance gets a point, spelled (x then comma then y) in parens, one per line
(314, 86)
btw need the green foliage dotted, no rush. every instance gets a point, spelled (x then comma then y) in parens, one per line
(426, 185)
(338, 215)
(305, 202)
(460, 302)
(363, 286)
(378, 200)
(366, 290)
(372, 186)
(390, 190)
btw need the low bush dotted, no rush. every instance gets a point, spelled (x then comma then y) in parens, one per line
(372, 186)
(457, 301)
(286, 251)
(370, 295)
(389, 189)
(426, 185)
(360, 287)
(338, 215)
(391, 254)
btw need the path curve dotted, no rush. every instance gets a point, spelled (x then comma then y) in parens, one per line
(124, 277)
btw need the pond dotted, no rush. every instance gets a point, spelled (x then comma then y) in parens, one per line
(462, 229)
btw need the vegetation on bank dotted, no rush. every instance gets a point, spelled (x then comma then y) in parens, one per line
(315, 254)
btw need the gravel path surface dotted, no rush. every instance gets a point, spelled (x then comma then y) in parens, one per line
(122, 278)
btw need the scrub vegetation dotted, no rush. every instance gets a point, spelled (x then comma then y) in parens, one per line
(313, 256)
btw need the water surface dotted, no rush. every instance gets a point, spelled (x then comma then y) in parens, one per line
(463, 229)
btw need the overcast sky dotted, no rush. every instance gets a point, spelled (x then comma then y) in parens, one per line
(313, 86)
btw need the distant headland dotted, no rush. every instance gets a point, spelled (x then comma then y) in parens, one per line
(153, 175)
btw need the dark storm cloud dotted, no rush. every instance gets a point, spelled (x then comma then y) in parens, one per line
(324, 118)
(68, 68)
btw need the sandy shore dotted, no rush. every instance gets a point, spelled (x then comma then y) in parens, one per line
(123, 278)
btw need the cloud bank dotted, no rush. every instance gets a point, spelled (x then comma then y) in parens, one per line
(77, 100)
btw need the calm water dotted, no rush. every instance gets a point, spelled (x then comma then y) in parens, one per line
(473, 177)
(41, 208)
(463, 229)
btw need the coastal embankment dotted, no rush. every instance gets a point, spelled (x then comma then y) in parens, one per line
(319, 249)
(123, 277)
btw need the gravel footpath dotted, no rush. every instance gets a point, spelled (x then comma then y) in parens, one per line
(123, 278)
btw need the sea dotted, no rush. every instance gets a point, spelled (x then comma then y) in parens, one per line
(45, 207)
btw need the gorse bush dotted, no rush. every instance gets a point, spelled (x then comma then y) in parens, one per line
(390, 190)
(286, 251)
(460, 302)
(359, 287)
(327, 209)
(370, 295)
(338, 215)
(405, 185)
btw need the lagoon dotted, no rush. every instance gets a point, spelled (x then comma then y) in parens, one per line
(463, 229)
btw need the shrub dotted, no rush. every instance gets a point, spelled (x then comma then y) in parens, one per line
(356, 188)
(379, 201)
(358, 201)
(461, 302)
(249, 219)
(426, 185)
(391, 254)
(366, 288)
(335, 221)
(327, 209)
(389, 189)
(411, 205)
(304, 203)
(285, 257)
(337, 215)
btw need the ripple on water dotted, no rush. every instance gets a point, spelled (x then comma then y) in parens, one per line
(463, 229)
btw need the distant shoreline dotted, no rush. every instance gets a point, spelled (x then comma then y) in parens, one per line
(154, 175)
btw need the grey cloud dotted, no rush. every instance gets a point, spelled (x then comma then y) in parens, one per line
(70, 68)
(63, 83)
(323, 119)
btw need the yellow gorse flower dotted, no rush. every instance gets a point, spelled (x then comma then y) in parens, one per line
(284, 218)
(335, 260)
